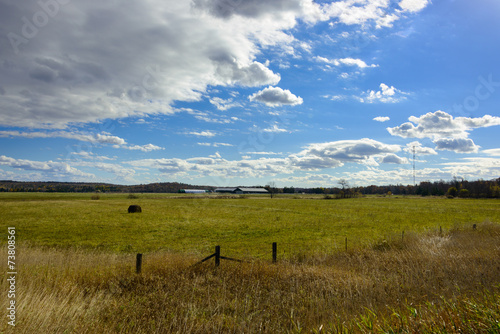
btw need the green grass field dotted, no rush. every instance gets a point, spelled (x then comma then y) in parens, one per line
(76, 264)
(244, 226)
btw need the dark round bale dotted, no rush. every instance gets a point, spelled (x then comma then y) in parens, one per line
(134, 208)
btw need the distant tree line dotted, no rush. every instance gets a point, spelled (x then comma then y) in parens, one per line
(76, 187)
(454, 188)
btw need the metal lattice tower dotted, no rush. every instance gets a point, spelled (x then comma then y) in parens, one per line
(414, 182)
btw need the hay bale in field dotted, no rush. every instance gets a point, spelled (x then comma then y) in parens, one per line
(134, 208)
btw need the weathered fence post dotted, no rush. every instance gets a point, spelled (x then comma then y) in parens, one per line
(275, 252)
(403, 236)
(346, 244)
(138, 263)
(217, 256)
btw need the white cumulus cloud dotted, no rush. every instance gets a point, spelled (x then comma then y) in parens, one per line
(413, 5)
(51, 169)
(386, 94)
(139, 58)
(345, 61)
(440, 124)
(275, 96)
(393, 159)
(206, 133)
(382, 119)
(492, 152)
(459, 145)
(447, 133)
(224, 104)
(132, 59)
(337, 153)
(144, 148)
(93, 138)
(419, 149)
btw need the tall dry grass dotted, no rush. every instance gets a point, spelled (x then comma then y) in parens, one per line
(423, 283)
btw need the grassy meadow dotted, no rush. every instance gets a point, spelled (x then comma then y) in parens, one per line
(76, 264)
(243, 225)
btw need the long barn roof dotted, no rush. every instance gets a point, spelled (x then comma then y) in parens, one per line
(256, 190)
(242, 189)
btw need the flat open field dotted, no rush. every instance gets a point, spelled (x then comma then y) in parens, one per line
(75, 264)
(243, 226)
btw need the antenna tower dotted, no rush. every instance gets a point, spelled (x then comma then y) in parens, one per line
(414, 182)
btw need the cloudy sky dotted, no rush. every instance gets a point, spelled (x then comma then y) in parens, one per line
(247, 92)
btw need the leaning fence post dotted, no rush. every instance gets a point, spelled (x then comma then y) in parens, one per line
(138, 263)
(275, 252)
(217, 256)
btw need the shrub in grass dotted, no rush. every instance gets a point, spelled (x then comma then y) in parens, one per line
(463, 193)
(452, 192)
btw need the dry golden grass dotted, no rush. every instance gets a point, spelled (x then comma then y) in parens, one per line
(424, 283)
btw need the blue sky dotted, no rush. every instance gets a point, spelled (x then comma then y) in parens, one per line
(247, 92)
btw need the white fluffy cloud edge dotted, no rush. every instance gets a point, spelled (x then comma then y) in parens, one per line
(313, 158)
(446, 132)
(124, 67)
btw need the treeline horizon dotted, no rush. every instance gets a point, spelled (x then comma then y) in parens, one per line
(453, 188)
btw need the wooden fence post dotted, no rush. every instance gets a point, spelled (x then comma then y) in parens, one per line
(346, 244)
(138, 263)
(217, 256)
(275, 252)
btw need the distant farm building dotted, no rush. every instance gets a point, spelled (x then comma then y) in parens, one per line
(242, 190)
(194, 191)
